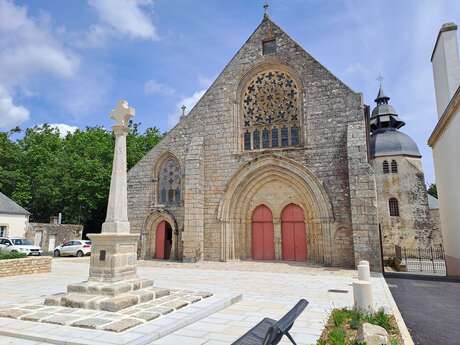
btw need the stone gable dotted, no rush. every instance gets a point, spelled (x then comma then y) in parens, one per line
(327, 107)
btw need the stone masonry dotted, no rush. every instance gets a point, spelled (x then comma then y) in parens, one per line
(327, 175)
(30, 265)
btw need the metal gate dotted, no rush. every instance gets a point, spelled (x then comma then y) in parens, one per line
(423, 260)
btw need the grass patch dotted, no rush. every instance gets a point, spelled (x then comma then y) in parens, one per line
(343, 324)
(11, 255)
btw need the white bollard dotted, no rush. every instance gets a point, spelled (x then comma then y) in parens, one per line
(362, 294)
(364, 272)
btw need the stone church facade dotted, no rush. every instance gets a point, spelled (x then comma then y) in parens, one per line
(273, 163)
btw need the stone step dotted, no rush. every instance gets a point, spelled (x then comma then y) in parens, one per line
(106, 302)
(109, 289)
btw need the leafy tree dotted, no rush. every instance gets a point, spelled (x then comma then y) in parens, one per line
(47, 173)
(432, 190)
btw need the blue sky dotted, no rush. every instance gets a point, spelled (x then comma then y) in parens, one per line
(68, 62)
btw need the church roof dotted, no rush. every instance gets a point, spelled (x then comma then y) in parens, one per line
(8, 206)
(391, 142)
(386, 139)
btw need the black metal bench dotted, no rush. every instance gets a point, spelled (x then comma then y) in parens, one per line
(269, 331)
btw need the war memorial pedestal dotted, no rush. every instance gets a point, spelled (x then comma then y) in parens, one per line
(113, 283)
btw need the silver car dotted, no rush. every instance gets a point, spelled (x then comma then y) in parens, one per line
(73, 248)
(20, 245)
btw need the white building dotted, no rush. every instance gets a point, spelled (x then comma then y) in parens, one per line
(445, 141)
(13, 218)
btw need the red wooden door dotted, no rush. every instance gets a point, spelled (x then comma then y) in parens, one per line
(160, 241)
(263, 238)
(293, 234)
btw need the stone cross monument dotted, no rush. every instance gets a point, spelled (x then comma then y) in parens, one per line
(113, 255)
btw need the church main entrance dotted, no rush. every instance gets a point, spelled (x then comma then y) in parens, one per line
(263, 239)
(163, 242)
(293, 234)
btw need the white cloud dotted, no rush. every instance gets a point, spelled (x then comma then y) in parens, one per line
(128, 17)
(63, 128)
(28, 48)
(154, 87)
(10, 114)
(189, 103)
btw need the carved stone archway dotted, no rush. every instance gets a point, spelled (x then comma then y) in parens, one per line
(148, 235)
(275, 181)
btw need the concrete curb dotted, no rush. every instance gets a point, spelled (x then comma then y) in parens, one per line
(397, 314)
(140, 335)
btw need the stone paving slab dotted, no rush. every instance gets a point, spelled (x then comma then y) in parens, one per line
(110, 319)
(269, 290)
(102, 330)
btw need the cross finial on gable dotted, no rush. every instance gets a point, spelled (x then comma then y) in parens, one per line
(380, 79)
(122, 113)
(183, 109)
(266, 8)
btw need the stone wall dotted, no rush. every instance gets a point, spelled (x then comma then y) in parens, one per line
(366, 243)
(29, 265)
(327, 106)
(413, 228)
(436, 235)
(45, 234)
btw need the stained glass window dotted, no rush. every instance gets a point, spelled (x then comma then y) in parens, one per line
(256, 139)
(265, 138)
(275, 141)
(294, 136)
(170, 182)
(284, 137)
(247, 140)
(270, 107)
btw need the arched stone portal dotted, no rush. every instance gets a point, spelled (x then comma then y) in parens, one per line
(275, 182)
(162, 223)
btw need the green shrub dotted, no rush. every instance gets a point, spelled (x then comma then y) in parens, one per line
(338, 336)
(380, 319)
(11, 255)
(339, 316)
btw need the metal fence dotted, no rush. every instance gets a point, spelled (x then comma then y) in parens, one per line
(424, 260)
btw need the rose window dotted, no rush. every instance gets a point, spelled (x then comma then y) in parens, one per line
(271, 111)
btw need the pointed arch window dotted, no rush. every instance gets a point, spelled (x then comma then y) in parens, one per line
(170, 182)
(393, 206)
(271, 111)
(386, 167)
(394, 166)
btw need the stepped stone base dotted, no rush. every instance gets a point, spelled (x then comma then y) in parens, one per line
(111, 297)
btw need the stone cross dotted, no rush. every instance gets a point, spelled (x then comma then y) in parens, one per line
(266, 8)
(117, 209)
(122, 113)
(183, 110)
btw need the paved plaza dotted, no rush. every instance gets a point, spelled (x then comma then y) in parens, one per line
(267, 289)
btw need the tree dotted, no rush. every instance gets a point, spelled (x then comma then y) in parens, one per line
(47, 173)
(432, 190)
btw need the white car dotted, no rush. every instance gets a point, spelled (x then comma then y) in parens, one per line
(20, 245)
(73, 248)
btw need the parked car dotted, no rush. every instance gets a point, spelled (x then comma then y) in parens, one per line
(73, 248)
(20, 245)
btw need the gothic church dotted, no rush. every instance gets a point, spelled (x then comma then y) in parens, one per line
(279, 160)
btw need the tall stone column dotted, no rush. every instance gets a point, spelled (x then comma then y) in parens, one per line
(114, 250)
